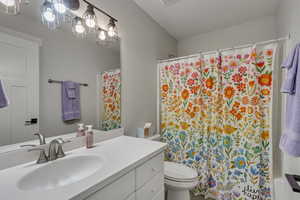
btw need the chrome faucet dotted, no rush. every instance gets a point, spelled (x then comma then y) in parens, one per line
(42, 157)
(41, 139)
(55, 149)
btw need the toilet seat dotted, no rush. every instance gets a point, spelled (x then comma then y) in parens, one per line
(180, 173)
(181, 180)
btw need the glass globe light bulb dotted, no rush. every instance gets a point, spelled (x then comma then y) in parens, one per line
(111, 31)
(79, 28)
(90, 18)
(90, 22)
(49, 15)
(60, 8)
(102, 35)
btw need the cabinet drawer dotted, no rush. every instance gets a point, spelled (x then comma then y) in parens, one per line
(118, 190)
(148, 170)
(152, 188)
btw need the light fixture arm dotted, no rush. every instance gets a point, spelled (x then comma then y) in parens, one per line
(100, 10)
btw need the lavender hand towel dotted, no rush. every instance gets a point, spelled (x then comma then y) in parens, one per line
(70, 101)
(291, 64)
(290, 139)
(3, 97)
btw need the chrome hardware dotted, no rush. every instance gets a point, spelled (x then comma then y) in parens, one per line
(27, 145)
(41, 138)
(56, 150)
(43, 157)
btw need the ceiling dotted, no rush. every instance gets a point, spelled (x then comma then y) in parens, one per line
(186, 18)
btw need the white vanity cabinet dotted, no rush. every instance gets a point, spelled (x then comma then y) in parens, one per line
(120, 168)
(145, 182)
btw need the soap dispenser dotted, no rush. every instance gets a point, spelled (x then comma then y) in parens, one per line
(80, 130)
(89, 137)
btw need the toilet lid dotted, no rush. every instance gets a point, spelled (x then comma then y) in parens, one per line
(179, 172)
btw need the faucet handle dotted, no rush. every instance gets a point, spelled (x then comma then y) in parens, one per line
(42, 157)
(41, 138)
(60, 152)
(62, 141)
(28, 145)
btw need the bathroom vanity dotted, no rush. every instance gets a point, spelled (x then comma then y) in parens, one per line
(122, 168)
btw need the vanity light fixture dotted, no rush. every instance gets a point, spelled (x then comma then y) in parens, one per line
(54, 12)
(49, 15)
(78, 27)
(11, 6)
(90, 18)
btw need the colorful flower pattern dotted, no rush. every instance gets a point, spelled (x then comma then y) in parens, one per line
(111, 93)
(216, 117)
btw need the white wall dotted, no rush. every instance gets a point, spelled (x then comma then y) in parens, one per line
(252, 31)
(143, 41)
(288, 22)
(64, 57)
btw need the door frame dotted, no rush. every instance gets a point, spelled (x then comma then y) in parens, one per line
(33, 43)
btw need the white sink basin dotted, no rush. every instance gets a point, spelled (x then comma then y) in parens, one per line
(61, 173)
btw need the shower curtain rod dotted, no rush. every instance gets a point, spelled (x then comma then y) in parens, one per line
(227, 49)
(111, 70)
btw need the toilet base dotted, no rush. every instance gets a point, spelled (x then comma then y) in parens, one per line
(178, 195)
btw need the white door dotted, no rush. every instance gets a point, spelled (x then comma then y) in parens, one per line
(19, 71)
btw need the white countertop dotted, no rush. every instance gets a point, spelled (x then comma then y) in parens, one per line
(121, 155)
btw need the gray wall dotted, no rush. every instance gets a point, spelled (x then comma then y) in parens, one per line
(64, 57)
(248, 32)
(143, 41)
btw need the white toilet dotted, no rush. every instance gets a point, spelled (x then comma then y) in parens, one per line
(179, 180)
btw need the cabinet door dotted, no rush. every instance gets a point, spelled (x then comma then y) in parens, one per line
(148, 170)
(151, 189)
(118, 190)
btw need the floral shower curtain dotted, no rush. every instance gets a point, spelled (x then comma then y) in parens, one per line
(216, 116)
(111, 93)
